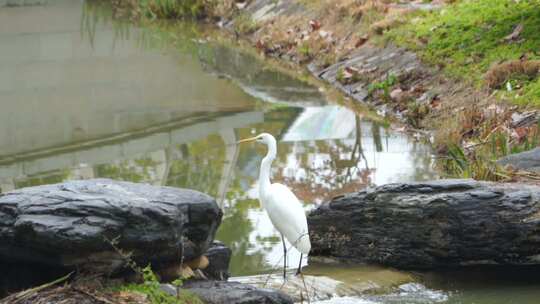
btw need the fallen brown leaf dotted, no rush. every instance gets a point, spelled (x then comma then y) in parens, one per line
(520, 133)
(351, 70)
(260, 44)
(361, 41)
(314, 25)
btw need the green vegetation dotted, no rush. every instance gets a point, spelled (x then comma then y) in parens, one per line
(340, 75)
(478, 166)
(305, 50)
(151, 288)
(493, 45)
(137, 170)
(470, 37)
(163, 9)
(416, 111)
(51, 178)
(384, 85)
(174, 8)
(480, 163)
(244, 24)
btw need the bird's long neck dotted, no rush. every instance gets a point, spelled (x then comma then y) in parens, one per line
(266, 164)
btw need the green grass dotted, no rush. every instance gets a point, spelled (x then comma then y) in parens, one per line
(531, 94)
(171, 9)
(480, 163)
(151, 288)
(384, 85)
(244, 24)
(467, 38)
(478, 166)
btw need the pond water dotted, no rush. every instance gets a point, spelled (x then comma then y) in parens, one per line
(84, 97)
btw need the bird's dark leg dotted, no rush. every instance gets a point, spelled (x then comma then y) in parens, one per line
(284, 258)
(299, 271)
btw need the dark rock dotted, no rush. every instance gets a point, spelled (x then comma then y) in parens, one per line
(446, 223)
(219, 292)
(73, 224)
(528, 160)
(219, 257)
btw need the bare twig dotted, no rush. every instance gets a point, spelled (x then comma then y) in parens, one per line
(126, 256)
(93, 296)
(20, 296)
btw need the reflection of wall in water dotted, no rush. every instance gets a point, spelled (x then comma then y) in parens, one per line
(147, 158)
(56, 87)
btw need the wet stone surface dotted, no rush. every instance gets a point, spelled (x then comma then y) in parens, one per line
(528, 160)
(86, 224)
(425, 225)
(217, 292)
(219, 257)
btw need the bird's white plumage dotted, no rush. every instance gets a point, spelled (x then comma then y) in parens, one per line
(287, 215)
(281, 205)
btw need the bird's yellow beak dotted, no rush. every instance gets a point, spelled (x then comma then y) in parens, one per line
(247, 140)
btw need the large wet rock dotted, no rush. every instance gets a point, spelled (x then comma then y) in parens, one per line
(219, 292)
(96, 224)
(528, 160)
(444, 223)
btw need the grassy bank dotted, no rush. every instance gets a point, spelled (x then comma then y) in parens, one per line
(485, 67)
(493, 44)
(493, 47)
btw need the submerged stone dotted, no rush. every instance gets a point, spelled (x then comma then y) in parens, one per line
(322, 281)
(219, 292)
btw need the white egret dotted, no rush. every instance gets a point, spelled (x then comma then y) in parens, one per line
(282, 206)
